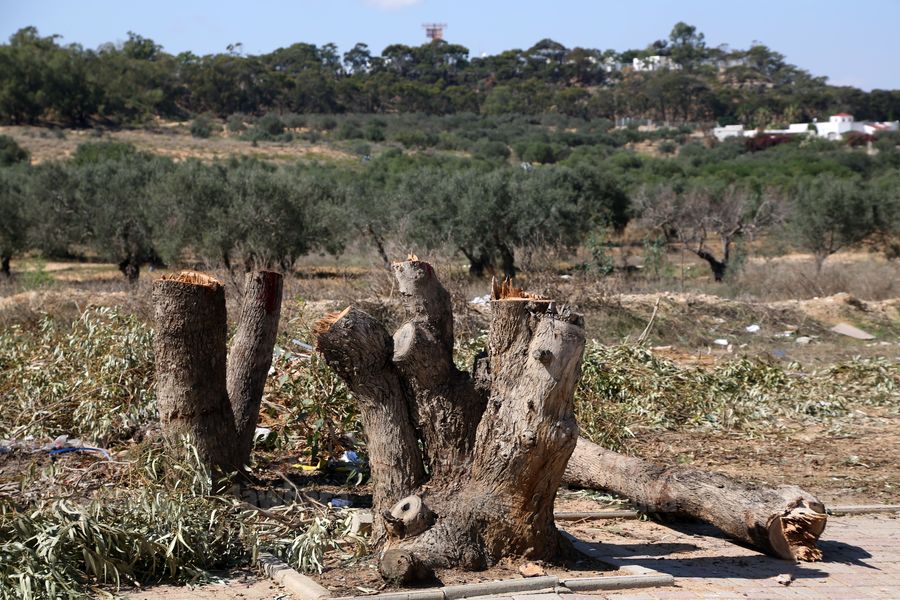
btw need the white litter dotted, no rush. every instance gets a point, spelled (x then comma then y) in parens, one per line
(303, 345)
(752, 328)
(720, 342)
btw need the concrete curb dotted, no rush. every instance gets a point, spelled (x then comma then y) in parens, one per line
(299, 585)
(618, 582)
(640, 578)
(504, 586)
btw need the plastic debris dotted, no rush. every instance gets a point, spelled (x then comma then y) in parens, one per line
(261, 433)
(803, 339)
(752, 328)
(80, 449)
(720, 342)
(303, 345)
(350, 457)
(340, 503)
(785, 579)
(851, 331)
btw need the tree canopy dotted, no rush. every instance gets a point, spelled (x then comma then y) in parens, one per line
(137, 80)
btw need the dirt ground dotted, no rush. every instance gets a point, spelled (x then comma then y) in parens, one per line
(175, 142)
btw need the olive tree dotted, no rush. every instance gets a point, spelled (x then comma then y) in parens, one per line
(13, 225)
(830, 214)
(697, 213)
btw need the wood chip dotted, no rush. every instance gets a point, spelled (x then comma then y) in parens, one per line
(531, 570)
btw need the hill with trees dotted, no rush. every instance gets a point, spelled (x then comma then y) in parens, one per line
(134, 82)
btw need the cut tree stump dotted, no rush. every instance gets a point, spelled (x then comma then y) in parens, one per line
(200, 394)
(465, 467)
(465, 471)
(785, 521)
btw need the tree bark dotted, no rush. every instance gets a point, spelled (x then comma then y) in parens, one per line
(189, 347)
(251, 354)
(379, 245)
(130, 268)
(784, 522)
(717, 266)
(359, 349)
(199, 393)
(493, 450)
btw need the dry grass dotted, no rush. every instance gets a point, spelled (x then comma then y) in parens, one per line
(175, 142)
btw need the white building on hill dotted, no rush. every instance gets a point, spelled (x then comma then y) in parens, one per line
(654, 63)
(837, 126)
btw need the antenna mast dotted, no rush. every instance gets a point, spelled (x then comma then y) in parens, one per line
(434, 31)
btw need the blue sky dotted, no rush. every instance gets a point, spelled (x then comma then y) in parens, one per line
(851, 42)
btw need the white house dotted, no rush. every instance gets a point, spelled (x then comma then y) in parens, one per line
(837, 126)
(654, 63)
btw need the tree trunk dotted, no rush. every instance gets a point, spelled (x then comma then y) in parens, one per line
(784, 522)
(4, 266)
(199, 393)
(131, 268)
(507, 261)
(477, 263)
(379, 245)
(493, 450)
(718, 267)
(251, 354)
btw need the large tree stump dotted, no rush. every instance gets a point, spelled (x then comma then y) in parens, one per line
(465, 472)
(784, 522)
(199, 393)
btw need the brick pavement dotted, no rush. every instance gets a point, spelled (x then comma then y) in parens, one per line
(861, 560)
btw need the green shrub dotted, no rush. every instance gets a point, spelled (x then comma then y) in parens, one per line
(97, 152)
(667, 147)
(271, 125)
(489, 150)
(201, 127)
(411, 138)
(294, 121)
(375, 131)
(11, 152)
(349, 130)
(236, 124)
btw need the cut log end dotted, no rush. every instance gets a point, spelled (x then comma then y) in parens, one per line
(325, 323)
(401, 566)
(505, 290)
(193, 278)
(409, 517)
(794, 534)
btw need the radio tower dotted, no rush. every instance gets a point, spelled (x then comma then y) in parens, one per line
(434, 31)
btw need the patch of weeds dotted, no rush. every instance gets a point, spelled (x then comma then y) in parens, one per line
(37, 276)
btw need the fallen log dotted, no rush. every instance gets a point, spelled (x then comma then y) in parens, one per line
(784, 521)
